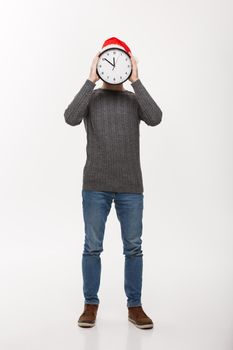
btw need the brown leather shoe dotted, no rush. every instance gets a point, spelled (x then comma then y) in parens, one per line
(137, 316)
(88, 317)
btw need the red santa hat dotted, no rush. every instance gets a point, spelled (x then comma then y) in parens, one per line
(114, 42)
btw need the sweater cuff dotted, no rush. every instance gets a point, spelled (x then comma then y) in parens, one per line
(138, 86)
(136, 82)
(90, 83)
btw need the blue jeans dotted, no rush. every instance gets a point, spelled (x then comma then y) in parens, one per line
(129, 208)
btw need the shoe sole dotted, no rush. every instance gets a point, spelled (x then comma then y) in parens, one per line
(85, 324)
(144, 326)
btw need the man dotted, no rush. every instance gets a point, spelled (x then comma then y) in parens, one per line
(112, 172)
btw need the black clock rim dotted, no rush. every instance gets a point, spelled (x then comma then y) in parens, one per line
(111, 48)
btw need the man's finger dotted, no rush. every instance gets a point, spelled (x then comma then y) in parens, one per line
(133, 59)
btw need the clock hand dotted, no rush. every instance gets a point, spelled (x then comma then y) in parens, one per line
(116, 60)
(108, 61)
(114, 63)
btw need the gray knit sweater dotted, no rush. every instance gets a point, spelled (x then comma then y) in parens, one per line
(112, 120)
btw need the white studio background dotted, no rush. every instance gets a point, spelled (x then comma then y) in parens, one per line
(184, 49)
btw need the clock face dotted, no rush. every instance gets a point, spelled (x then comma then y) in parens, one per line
(114, 66)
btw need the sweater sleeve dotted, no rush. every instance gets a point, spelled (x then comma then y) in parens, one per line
(148, 109)
(78, 108)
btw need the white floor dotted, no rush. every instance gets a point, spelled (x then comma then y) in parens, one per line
(41, 300)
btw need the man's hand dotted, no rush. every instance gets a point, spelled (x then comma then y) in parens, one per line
(134, 76)
(93, 76)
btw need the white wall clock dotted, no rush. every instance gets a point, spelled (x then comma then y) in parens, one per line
(114, 66)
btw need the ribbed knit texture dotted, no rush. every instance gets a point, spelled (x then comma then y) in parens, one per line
(112, 120)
